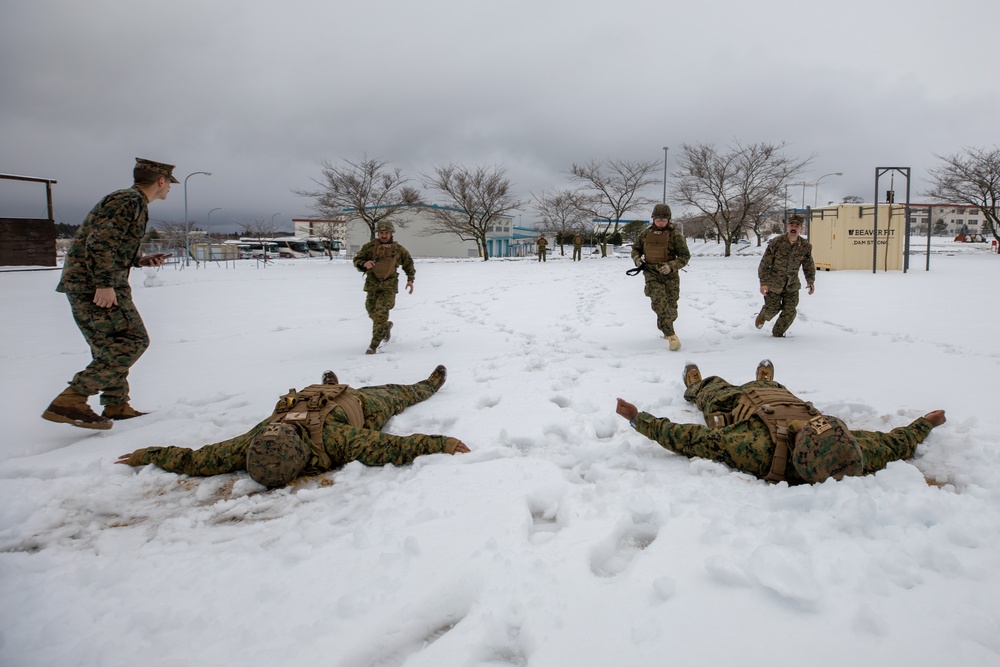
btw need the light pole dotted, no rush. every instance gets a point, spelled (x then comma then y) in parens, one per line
(665, 149)
(803, 184)
(272, 220)
(209, 221)
(816, 183)
(187, 225)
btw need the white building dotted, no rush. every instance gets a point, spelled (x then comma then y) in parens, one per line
(957, 219)
(412, 225)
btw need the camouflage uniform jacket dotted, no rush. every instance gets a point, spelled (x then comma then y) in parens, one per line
(341, 444)
(107, 244)
(372, 283)
(747, 445)
(676, 247)
(779, 267)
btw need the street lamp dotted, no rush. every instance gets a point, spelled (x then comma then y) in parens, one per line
(816, 183)
(187, 225)
(665, 149)
(803, 184)
(272, 220)
(209, 221)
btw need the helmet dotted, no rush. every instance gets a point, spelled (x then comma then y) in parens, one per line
(276, 456)
(661, 211)
(825, 447)
(385, 226)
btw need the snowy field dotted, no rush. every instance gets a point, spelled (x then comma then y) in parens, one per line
(565, 537)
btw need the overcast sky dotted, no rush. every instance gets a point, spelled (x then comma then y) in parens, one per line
(258, 93)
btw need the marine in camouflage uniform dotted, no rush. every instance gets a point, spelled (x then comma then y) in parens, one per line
(748, 444)
(577, 248)
(779, 276)
(95, 279)
(341, 442)
(663, 252)
(378, 260)
(542, 244)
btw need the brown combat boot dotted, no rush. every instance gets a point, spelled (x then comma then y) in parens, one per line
(438, 376)
(370, 350)
(71, 407)
(759, 322)
(765, 371)
(691, 375)
(121, 411)
(674, 342)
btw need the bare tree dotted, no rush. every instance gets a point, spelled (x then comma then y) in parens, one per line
(260, 231)
(730, 186)
(762, 222)
(612, 188)
(971, 177)
(561, 213)
(853, 199)
(175, 235)
(330, 232)
(474, 201)
(367, 190)
(698, 226)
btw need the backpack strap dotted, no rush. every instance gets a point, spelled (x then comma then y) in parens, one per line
(309, 408)
(775, 407)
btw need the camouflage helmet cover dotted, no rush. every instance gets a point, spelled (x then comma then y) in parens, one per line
(385, 226)
(824, 448)
(276, 456)
(661, 211)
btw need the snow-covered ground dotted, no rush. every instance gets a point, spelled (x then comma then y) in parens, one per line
(564, 538)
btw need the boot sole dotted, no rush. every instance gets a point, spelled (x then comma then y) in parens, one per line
(60, 419)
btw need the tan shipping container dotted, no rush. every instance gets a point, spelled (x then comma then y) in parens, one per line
(843, 236)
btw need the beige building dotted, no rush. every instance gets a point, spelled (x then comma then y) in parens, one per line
(844, 237)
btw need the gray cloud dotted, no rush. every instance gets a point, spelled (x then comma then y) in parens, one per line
(259, 94)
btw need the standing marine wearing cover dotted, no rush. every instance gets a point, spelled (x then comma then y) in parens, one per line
(379, 260)
(779, 276)
(95, 279)
(662, 252)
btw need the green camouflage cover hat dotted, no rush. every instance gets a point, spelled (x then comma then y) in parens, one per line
(385, 226)
(661, 211)
(277, 456)
(161, 168)
(824, 448)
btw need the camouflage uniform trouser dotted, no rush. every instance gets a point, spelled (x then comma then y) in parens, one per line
(378, 303)
(577, 254)
(663, 296)
(541, 255)
(117, 338)
(784, 302)
(381, 402)
(713, 394)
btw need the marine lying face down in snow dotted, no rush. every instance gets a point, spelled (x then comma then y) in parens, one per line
(763, 429)
(313, 430)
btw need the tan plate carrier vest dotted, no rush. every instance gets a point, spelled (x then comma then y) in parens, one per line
(385, 260)
(775, 407)
(309, 407)
(656, 247)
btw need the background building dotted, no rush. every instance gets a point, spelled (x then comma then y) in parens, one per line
(413, 225)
